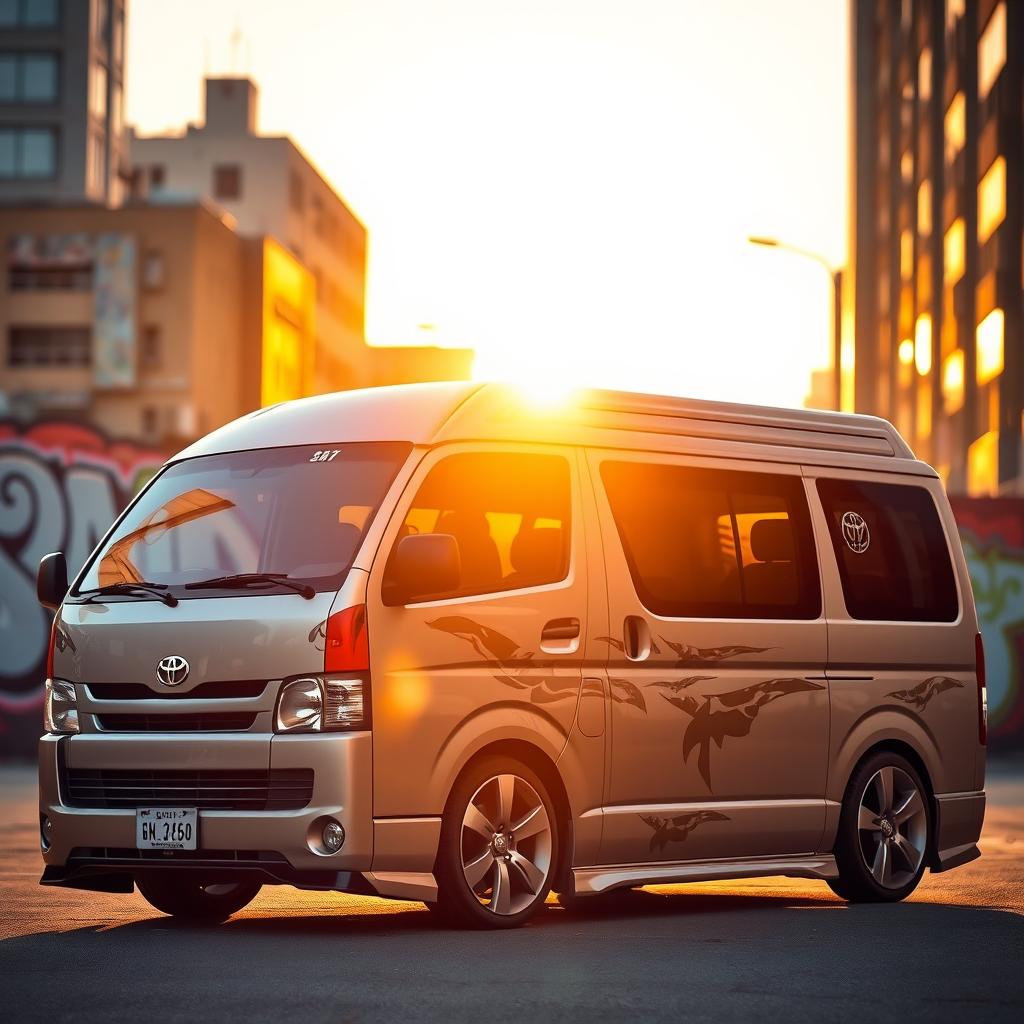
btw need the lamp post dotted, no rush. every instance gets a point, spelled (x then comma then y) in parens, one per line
(836, 274)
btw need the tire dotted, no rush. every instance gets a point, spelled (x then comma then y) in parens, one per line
(885, 830)
(193, 900)
(498, 848)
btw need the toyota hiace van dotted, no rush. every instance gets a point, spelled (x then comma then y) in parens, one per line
(438, 643)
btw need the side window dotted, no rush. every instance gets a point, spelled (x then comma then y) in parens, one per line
(892, 552)
(508, 512)
(714, 543)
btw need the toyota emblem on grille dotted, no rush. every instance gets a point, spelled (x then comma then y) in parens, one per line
(172, 671)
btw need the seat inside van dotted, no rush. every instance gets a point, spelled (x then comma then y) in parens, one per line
(772, 577)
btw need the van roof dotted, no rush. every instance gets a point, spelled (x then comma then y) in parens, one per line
(434, 413)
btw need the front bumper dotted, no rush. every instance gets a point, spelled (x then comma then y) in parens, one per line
(87, 845)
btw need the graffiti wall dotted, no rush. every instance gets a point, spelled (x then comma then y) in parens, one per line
(61, 486)
(992, 531)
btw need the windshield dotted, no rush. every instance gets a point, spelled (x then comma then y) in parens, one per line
(300, 512)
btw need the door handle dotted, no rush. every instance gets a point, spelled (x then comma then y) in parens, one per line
(560, 636)
(636, 636)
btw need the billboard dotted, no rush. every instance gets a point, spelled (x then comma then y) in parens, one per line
(114, 319)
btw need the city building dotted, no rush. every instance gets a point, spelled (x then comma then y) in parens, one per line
(271, 188)
(61, 101)
(937, 182)
(158, 323)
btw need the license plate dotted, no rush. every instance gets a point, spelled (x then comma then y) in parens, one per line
(166, 828)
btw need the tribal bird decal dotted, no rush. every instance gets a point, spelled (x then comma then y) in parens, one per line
(675, 830)
(718, 715)
(686, 654)
(919, 696)
(516, 668)
(675, 685)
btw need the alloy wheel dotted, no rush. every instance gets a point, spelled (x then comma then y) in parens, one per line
(506, 844)
(892, 826)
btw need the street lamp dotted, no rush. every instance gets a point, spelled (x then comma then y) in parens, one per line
(837, 306)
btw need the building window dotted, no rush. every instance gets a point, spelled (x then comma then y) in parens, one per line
(954, 252)
(953, 382)
(153, 270)
(906, 254)
(924, 209)
(924, 75)
(991, 199)
(989, 352)
(151, 355)
(28, 13)
(157, 176)
(954, 10)
(227, 181)
(28, 152)
(907, 167)
(991, 51)
(923, 344)
(955, 128)
(28, 78)
(49, 346)
(49, 279)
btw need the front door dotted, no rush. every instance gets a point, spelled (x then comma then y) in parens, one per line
(719, 708)
(498, 658)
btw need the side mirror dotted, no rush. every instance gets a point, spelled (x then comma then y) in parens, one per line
(424, 564)
(52, 580)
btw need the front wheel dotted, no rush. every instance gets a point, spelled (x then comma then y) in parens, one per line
(194, 900)
(884, 830)
(498, 848)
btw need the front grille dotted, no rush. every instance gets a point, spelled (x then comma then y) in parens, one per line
(281, 789)
(225, 721)
(208, 691)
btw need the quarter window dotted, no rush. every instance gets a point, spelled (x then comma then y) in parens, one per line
(892, 552)
(508, 512)
(715, 543)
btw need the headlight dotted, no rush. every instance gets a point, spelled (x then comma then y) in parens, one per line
(300, 706)
(60, 707)
(316, 704)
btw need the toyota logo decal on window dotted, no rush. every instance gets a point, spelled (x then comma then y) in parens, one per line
(856, 533)
(172, 671)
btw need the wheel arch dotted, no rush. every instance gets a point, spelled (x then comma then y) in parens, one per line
(534, 757)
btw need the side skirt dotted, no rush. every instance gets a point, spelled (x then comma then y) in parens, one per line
(589, 881)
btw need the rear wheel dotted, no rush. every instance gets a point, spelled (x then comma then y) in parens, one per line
(194, 900)
(884, 830)
(498, 848)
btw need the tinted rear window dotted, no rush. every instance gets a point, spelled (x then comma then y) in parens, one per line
(892, 551)
(704, 543)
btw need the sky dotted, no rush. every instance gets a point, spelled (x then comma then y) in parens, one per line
(565, 185)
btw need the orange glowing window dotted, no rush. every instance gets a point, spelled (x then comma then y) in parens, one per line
(955, 128)
(923, 344)
(953, 381)
(991, 199)
(924, 208)
(924, 75)
(954, 247)
(992, 51)
(989, 356)
(906, 351)
(906, 254)
(983, 465)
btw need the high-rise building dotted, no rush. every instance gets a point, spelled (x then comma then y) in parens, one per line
(937, 214)
(270, 187)
(61, 101)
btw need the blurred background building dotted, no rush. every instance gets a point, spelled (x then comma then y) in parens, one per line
(936, 231)
(155, 288)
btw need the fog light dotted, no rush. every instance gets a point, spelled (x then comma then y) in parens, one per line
(334, 836)
(45, 832)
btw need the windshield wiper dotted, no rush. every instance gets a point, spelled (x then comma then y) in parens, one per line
(254, 579)
(156, 590)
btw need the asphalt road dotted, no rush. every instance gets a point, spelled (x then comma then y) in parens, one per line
(775, 949)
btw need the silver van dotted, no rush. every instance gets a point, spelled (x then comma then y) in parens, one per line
(438, 643)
